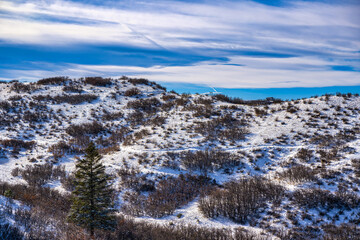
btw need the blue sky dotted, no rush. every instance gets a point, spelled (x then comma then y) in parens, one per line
(189, 45)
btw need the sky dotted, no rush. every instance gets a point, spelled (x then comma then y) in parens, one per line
(246, 48)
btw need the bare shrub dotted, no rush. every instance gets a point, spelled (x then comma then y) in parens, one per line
(141, 134)
(266, 101)
(75, 99)
(71, 99)
(299, 173)
(209, 160)
(5, 105)
(61, 148)
(17, 143)
(141, 230)
(260, 112)
(304, 154)
(46, 204)
(200, 110)
(314, 197)
(38, 175)
(91, 128)
(169, 195)
(157, 121)
(168, 97)
(183, 101)
(35, 116)
(240, 199)
(136, 81)
(132, 92)
(133, 179)
(73, 89)
(146, 105)
(110, 116)
(356, 165)
(68, 181)
(98, 81)
(135, 118)
(341, 232)
(223, 128)
(22, 87)
(53, 81)
(118, 135)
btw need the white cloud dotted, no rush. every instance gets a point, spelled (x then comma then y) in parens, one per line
(229, 25)
(217, 75)
(318, 34)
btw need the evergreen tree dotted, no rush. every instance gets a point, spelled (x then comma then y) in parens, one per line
(92, 205)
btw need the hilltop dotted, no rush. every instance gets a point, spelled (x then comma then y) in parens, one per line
(183, 163)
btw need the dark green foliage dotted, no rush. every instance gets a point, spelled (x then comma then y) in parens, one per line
(92, 204)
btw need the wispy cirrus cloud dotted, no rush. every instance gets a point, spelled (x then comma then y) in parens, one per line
(297, 43)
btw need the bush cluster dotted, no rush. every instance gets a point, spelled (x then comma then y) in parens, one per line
(297, 174)
(209, 160)
(136, 81)
(73, 89)
(38, 175)
(148, 105)
(316, 198)
(240, 199)
(223, 128)
(170, 194)
(267, 101)
(98, 81)
(132, 92)
(110, 116)
(65, 98)
(54, 81)
(5, 105)
(92, 128)
(22, 87)
(36, 116)
(17, 143)
(61, 148)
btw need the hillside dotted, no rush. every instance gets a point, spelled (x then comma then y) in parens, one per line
(185, 164)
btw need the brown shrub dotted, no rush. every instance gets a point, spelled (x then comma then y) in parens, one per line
(132, 92)
(92, 128)
(98, 81)
(53, 81)
(17, 143)
(240, 199)
(299, 173)
(148, 105)
(209, 160)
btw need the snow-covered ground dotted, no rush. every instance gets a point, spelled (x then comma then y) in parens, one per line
(275, 137)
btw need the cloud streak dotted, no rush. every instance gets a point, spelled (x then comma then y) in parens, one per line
(299, 44)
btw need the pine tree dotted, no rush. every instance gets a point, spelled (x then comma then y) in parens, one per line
(92, 205)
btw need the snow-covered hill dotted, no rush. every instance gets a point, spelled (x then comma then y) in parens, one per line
(308, 148)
